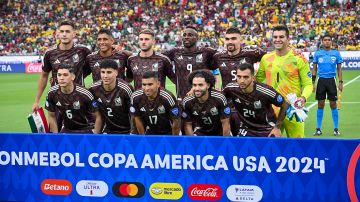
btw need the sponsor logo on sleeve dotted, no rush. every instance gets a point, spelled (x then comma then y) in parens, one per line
(227, 110)
(279, 98)
(170, 191)
(128, 189)
(92, 188)
(56, 187)
(208, 192)
(175, 111)
(244, 193)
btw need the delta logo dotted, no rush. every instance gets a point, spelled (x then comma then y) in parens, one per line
(56, 187)
(92, 188)
(128, 189)
(208, 192)
(169, 191)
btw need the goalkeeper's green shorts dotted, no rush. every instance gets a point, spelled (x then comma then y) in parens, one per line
(293, 128)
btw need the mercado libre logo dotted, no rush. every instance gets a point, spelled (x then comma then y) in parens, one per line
(162, 190)
(56, 187)
(128, 189)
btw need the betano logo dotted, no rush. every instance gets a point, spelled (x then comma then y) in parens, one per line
(170, 191)
(207, 192)
(128, 189)
(92, 188)
(56, 187)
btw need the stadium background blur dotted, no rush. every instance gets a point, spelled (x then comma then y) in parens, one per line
(28, 26)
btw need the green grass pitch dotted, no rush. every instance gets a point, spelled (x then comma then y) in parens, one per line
(17, 91)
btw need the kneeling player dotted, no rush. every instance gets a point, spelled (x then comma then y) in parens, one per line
(155, 109)
(207, 112)
(113, 97)
(73, 102)
(253, 102)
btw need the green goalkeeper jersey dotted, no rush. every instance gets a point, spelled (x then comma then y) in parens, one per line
(286, 74)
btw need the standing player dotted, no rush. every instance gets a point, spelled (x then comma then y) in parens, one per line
(148, 60)
(65, 53)
(287, 72)
(326, 63)
(253, 102)
(73, 103)
(189, 58)
(113, 96)
(105, 42)
(155, 109)
(228, 60)
(207, 112)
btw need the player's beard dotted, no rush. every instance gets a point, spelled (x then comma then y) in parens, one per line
(146, 49)
(199, 93)
(231, 47)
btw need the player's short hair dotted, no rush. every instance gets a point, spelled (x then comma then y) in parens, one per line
(244, 66)
(233, 30)
(108, 63)
(67, 22)
(202, 73)
(326, 35)
(150, 74)
(66, 66)
(191, 27)
(281, 28)
(105, 31)
(147, 31)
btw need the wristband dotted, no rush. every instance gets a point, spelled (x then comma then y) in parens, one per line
(313, 78)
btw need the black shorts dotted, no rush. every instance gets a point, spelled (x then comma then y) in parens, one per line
(326, 86)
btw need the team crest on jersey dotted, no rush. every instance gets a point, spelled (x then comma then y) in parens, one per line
(257, 104)
(75, 58)
(333, 59)
(96, 64)
(223, 64)
(214, 111)
(321, 60)
(118, 101)
(76, 105)
(199, 58)
(161, 109)
(155, 67)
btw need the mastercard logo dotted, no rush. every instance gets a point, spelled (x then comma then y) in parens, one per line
(128, 189)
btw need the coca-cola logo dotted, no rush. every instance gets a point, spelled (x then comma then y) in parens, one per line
(207, 192)
(35, 67)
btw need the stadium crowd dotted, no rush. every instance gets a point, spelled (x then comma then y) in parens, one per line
(28, 26)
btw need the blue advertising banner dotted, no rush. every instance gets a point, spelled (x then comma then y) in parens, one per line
(63, 167)
(12, 67)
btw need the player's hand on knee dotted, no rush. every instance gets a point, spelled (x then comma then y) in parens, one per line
(275, 132)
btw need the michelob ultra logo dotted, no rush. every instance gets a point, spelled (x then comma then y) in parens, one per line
(170, 191)
(128, 189)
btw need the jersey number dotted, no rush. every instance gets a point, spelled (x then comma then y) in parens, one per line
(233, 74)
(248, 113)
(153, 119)
(69, 114)
(189, 67)
(207, 120)
(109, 110)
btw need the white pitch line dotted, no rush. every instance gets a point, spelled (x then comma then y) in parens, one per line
(347, 83)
